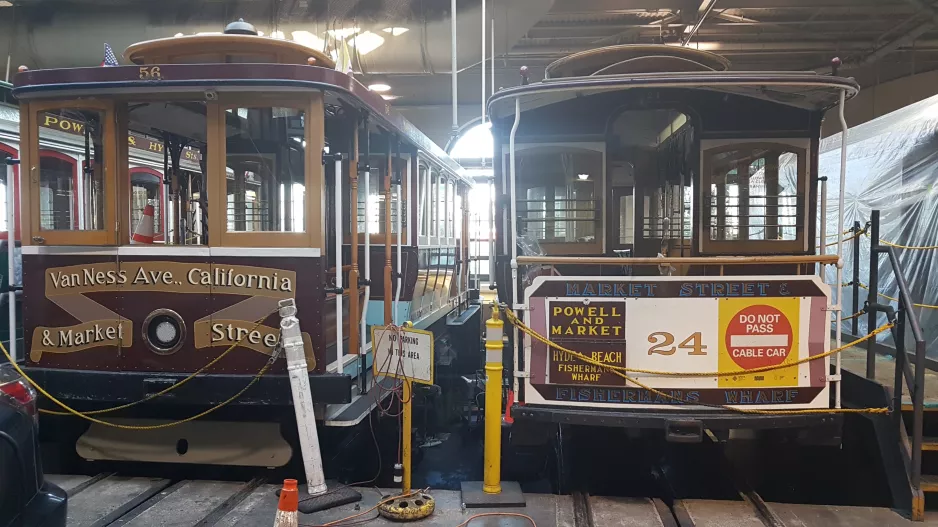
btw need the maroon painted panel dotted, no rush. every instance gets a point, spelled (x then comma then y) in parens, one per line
(88, 312)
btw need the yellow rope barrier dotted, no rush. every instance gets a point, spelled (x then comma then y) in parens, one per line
(910, 247)
(174, 386)
(618, 371)
(853, 316)
(87, 415)
(927, 306)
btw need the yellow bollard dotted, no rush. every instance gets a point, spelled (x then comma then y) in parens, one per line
(494, 329)
(406, 426)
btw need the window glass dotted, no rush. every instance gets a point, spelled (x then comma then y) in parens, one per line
(458, 224)
(434, 203)
(71, 193)
(266, 150)
(398, 193)
(442, 206)
(146, 188)
(559, 194)
(452, 216)
(423, 188)
(374, 199)
(753, 194)
(663, 210)
(626, 219)
(170, 134)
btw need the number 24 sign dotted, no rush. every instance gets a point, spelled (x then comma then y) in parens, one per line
(663, 344)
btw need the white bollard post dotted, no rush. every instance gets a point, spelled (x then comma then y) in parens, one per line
(11, 248)
(292, 341)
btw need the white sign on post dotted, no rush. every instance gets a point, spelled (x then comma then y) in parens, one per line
(403, 352)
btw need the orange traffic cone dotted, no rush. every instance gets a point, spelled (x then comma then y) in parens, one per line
(144, 232)
(286, 509)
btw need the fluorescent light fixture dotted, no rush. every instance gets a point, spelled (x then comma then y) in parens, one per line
(389, 97)
(277, 34)
(308, 39)
(366, 42)
(210, 33)
(344, 32)
(583, 177)
(379, 87)
(178, 35)
(5, 3)
(396, 31)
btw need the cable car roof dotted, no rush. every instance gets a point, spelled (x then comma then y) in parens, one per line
(808, 91)
(126, 81)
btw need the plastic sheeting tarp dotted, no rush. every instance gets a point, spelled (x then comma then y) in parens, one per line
(892, 166)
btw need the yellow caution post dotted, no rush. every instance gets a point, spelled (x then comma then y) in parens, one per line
(494, 330)
(492, 492)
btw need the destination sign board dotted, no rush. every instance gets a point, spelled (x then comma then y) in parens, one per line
(711, 331)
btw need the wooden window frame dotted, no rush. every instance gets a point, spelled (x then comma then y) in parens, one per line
(29, 132)
(313, 234)
(799, 245)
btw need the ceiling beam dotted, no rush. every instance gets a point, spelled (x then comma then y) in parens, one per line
(621, 36)
(901, 41)
(706, 6)
(925, 8)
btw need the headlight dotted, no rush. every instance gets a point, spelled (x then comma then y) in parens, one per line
(164, 331)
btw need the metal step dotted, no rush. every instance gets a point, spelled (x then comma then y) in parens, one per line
(929, 483)
(930, 443)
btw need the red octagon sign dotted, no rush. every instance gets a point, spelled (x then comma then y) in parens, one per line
(758, 336)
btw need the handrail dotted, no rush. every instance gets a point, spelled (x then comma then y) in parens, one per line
(691, 260)
(916, 389)
(915, 381)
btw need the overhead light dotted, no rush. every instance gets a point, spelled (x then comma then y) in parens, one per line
(396, 31)
(308, 39)
(210, 33)
(389, 97)
(277, 34)
(5, 3)
(366, 42)
(178, 35)
(583, 177)
(344, 32)
(379, 87)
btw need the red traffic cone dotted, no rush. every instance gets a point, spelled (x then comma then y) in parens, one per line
(286, 509)
(508, 403)
(144, 232)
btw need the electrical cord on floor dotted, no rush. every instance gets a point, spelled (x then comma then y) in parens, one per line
(509, 514)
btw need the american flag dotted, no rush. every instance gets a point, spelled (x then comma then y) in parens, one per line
(109, 58)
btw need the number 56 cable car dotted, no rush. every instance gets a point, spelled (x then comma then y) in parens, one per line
(156, 290)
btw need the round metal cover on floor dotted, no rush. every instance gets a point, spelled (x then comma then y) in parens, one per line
(414, 507)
